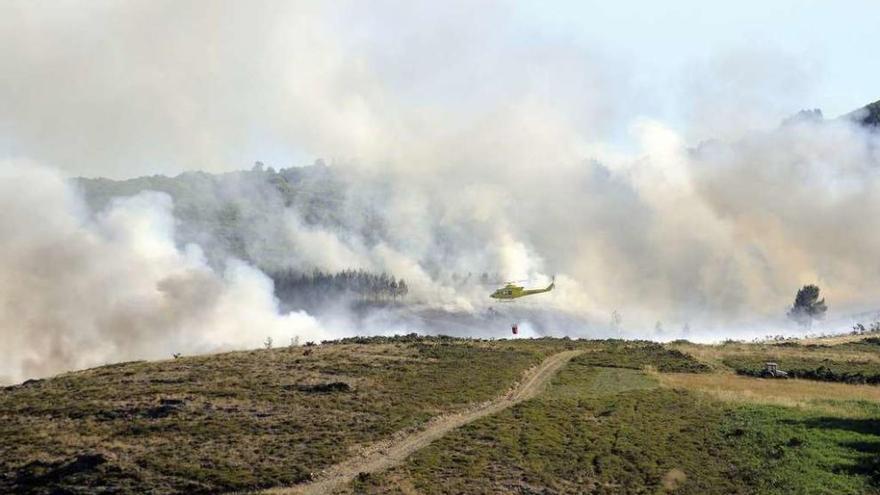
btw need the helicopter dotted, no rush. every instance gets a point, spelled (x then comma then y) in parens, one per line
(513, 291)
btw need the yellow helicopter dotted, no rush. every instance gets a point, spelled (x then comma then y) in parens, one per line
(513, 291)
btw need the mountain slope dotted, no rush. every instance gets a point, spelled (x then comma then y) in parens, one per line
(869, 115)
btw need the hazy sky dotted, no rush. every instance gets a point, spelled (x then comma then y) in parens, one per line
(132, 88)
(665, 39)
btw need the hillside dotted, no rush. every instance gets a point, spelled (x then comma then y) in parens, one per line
(404, 413)
(452, 242)
(869, 115)
(234, 214)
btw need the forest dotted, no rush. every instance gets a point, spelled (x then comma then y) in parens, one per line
(296, 289)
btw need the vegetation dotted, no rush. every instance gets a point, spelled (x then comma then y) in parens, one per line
(299, 290)
(810, 368)
(240, 420)
(836, 349)
(831, 398)
(802, 451)
(594, 431)
(807, 305)
(622, 417)
(233, 214)
(637, 355)
(612, 430)
(796, 437)
(854, 359)
(869, 115)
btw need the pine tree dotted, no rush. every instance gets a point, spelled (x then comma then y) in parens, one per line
(807, 306)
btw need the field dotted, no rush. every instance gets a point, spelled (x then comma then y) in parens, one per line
(240, 420)
(618, 430)
(596, 430)
(620, 417)
(793, 393)
(848, 362)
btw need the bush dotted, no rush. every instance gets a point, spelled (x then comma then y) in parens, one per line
(641, 354)
(810, 369)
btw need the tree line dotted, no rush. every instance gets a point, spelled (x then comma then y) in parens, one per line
(299, 289)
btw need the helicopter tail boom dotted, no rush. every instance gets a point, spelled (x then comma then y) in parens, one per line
(539, 291)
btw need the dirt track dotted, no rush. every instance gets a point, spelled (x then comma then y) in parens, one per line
(384, 456)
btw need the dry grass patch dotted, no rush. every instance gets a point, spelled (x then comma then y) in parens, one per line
(714, 354)
(837, 339)
(792, 393)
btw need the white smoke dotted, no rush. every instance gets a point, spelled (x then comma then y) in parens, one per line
(465, 149)
(80, 290)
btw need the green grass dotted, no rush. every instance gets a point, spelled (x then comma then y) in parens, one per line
(606, 381)
(593, 431)
(612, 431)
(870, 344)
(638, 355)
(246, 419)
(797, 451)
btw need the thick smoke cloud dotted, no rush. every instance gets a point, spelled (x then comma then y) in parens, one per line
(719, 236)
(80, 290)
(466, 144)
(121, 90)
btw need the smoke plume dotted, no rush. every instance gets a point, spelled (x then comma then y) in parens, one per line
(458, 142)
(80, 290)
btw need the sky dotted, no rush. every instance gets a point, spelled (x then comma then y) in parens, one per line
(664, 39)
(122, 89)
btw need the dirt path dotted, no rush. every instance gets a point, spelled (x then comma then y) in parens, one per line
(386, 455)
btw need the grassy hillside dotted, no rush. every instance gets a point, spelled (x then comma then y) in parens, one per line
(599, 430)
(623, 417)
(849, 362)
(238, 420)
(619, 430)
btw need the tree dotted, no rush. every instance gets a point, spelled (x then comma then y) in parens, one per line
(807, 306)
(616, 321)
